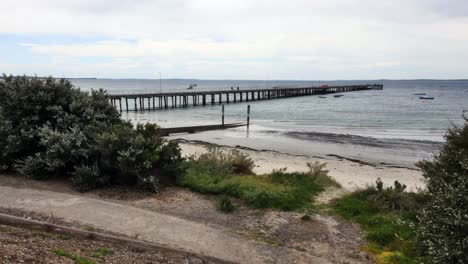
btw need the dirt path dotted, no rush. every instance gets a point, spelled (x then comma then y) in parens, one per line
(165, 229)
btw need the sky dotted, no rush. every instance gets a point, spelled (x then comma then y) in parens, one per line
(235, 39)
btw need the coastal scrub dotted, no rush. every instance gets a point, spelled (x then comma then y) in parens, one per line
(387, 216)
(49, 128)
(279, 189)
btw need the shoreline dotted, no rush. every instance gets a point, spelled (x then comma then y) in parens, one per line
(350, 173)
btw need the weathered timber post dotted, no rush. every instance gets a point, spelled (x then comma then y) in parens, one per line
(120, 104)
(135, 104)
(126, 103)
(222, 117)
(248, 116)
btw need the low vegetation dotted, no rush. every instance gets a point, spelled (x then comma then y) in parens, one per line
(225, 205)
(424, 227)
(387, 216)
(230, 173)
(76, 259)
(48, 128)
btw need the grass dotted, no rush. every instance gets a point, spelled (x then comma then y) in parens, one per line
(231, 174)
(386, 216)
(225, 205)
(75, 258)
(102, 252)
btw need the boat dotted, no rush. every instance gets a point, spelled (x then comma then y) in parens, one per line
(426, 97)
(338, 95)
(322, 97)
(419, 94)
(191, 86)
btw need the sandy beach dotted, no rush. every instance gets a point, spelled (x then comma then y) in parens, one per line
(350, 173)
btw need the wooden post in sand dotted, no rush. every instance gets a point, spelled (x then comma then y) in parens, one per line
(248, 115)
(222, 118)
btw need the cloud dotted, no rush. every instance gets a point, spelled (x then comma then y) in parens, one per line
(239, 38)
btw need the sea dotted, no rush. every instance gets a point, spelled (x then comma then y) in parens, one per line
(388, 119)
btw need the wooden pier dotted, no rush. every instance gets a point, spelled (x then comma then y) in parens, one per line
(154, 101)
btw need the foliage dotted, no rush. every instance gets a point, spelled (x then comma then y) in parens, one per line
(443, 222)
(102, 252)
(225, 205)
(279, 189)
(306, 217)
(217, 161)
(387, 216)
(77, 259)
(48, 128)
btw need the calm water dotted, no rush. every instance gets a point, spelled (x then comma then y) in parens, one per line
(394, 112)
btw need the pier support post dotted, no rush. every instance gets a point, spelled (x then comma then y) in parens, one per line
(222, 115)
(248, 116)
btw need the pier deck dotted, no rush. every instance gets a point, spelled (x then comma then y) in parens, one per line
(154, 101)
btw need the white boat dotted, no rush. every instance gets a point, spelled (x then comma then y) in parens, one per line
(191, 86)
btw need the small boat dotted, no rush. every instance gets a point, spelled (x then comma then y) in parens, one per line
(322, 97)
(419, 94)
(426, 97)
(338, 95)
(191, 86)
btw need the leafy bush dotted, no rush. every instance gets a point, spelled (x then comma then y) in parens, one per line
(443, 222)
(387, 215)
(225, 205)
(63, 132)
(280, 189)
(217, 161)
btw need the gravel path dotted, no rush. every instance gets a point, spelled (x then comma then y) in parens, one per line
(19, 245)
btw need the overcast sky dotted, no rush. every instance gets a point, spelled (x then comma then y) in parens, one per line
(238, 39)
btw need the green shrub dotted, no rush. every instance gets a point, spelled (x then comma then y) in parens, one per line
(306, 217)
(225, 205)
(86, 178)
(387, 215)
(217, 161)
(64, 132)
(443, 223)
(280, 189)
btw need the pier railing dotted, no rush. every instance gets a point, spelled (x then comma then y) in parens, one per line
(154, 101)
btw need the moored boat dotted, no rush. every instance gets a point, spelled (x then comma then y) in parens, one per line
(426, 97)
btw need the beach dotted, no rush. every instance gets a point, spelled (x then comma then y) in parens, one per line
(350, 173)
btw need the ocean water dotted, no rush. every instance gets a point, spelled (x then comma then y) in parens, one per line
(392, 113)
